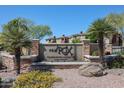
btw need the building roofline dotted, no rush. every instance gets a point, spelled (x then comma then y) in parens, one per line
(83, 34)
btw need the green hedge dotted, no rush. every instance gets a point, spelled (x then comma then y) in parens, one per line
(35, 79)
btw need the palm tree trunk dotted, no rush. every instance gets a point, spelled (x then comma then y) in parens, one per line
(39, 53)
(17, 60)
(101, 48)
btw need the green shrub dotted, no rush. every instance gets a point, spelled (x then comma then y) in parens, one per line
(76, 41)
(117, 63)
(95, 53)
(92, 38)
(35, 79)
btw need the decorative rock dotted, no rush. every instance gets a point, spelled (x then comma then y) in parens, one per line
(7, 82)
(91, 70)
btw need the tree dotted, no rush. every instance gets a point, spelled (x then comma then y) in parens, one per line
(76, 40)
(117, 21)
(14, 37)
(100, 28)
(40, 31)
(92, 38)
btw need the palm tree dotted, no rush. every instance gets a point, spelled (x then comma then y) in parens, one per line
(100, 28)
(117, 21)
(14, 37)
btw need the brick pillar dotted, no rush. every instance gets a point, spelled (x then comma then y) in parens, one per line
(108, 48)
(86, 47)
(35, 47)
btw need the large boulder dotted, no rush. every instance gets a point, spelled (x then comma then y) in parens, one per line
(91, 70)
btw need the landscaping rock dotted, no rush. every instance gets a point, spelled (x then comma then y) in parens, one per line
(91, 70)
(7, 82)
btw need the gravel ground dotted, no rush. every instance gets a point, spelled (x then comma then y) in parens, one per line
(71, 79)
(10, 73)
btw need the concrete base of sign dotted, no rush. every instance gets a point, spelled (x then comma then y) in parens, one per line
(56, 65)
(60, 63)
(90, 58)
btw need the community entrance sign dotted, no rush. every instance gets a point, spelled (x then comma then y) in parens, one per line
(61, 52)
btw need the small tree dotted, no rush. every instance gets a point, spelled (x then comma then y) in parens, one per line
(100, 28)
(117, 21)
(76, 40)
(92, 38)
(40, 31)
(14, 37)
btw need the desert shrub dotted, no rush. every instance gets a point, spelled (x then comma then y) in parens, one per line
(116, 63)
(95, 53)
(76, 41)
(35, 79)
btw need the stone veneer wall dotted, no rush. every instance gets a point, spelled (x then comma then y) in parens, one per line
(86, 47)
(9, 60)
(108, 48)
(35, 47)
(94, 47)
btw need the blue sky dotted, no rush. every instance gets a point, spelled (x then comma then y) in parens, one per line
(62, 19)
